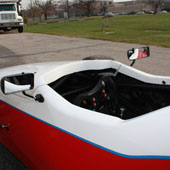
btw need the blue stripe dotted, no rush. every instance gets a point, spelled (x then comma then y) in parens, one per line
(96, 145)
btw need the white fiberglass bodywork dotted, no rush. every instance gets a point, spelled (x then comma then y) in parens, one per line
(141, 136)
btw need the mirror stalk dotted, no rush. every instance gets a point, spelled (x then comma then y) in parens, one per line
(38, 97)
(133, 62)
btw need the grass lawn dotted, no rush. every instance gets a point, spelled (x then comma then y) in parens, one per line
(140, 29)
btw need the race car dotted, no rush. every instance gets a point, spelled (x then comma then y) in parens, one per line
(86, 115)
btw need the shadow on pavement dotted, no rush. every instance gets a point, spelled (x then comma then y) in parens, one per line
(7, 60)
(8, 161)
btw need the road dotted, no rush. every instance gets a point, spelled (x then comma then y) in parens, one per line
(16, 49)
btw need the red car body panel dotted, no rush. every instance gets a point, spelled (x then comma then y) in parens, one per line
(54, 148)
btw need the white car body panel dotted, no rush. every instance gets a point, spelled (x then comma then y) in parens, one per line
(143, 136)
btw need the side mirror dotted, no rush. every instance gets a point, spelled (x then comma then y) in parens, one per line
(135, 54)
(139, 53)
(17, 83)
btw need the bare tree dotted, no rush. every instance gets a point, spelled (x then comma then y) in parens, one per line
(156, 4)
(68, 8)
(87, 5)
(33, 11)
(47, 8)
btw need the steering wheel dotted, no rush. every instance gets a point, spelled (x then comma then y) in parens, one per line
(101, 98)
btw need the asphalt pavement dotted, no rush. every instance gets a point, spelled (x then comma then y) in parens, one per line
(17, 49)
(8, 161)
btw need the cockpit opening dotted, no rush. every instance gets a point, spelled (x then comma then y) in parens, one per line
(113, 94)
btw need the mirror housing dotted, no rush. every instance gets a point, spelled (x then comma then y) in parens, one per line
(17, 83)
(135, 54)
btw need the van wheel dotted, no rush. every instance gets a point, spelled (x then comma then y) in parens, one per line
(20, 29)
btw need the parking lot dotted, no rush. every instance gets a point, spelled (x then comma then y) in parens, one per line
(26, 48)
(16, 49)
